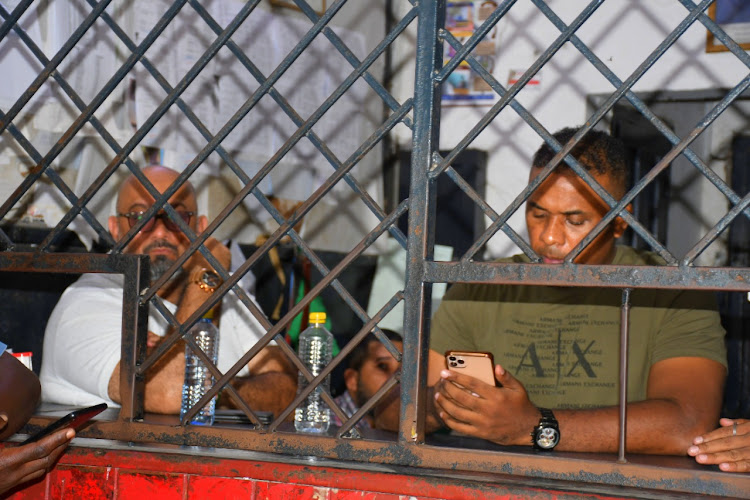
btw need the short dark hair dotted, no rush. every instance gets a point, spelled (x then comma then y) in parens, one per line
(358, 355)
(597, 151)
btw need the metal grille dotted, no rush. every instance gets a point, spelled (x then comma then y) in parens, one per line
(421, 114)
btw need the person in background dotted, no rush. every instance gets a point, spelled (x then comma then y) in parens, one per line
(19, 396)
(728, 446)
(82, 342)
(370, 365)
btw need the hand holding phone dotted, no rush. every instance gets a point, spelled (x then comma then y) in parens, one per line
(479, 365)
(73, 420)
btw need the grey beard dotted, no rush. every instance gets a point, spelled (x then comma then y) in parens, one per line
(160, 265)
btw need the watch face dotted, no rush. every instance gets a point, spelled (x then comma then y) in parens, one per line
(547, 438)
(211, 279)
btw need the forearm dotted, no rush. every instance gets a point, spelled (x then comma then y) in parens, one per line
(654, 427)
(268, 391)
(163, 391)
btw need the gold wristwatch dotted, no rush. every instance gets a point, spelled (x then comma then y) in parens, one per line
(207, 280)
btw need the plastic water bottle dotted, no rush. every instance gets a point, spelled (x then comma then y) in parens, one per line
(198, 380)
(315, 348)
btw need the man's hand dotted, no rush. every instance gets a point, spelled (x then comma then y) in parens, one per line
(723, 447)
(501, 414)
(198, 261)
(25, 463)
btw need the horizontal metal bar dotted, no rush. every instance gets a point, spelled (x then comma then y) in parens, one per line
(28, 262)
(728, 279)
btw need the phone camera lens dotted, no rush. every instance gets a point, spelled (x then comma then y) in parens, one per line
(461, 361)
(454, 364)
(452, 358)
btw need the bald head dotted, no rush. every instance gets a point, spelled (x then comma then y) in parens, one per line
(160, 176)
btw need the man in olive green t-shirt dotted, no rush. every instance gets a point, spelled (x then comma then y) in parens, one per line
(557, 348)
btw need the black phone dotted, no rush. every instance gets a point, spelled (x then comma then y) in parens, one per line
(74, 420)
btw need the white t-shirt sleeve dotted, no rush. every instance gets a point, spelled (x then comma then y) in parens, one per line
(82, 343)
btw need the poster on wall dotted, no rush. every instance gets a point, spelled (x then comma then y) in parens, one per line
(733, 16)
(465, 86)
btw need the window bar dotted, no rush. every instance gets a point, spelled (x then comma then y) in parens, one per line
(710, 117)
(134, 331)
(647, 113)
(711, 235)
(299, 122)
(390, 101)
(464, 51)
(232, 280)
(623, 403)
(13, 17)
(52, 64)
(421, 200)
(93, 106)
(517, 87)
(365, 243)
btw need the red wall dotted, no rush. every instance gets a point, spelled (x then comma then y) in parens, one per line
(87, 473)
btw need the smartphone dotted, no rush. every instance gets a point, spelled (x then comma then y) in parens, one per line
(479, 365)
(74, 420)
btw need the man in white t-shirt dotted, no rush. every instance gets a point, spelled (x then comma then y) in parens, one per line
(81, 361)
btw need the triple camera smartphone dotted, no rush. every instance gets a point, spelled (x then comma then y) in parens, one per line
(479, 365)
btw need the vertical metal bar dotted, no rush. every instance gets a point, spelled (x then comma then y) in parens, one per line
(624, 335)
(420, 241)
(134, 328)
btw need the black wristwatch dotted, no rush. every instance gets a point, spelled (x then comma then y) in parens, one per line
(546, 435)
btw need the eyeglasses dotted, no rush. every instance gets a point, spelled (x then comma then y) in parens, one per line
(134, 217)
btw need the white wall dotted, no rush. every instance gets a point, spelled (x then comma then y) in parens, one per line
(622, 33)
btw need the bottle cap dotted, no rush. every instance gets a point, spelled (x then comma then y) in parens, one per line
(23, 357)
(317, 317)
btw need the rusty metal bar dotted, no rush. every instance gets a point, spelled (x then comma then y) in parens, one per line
(623, 397)
(480, 32)
(134, 333)
(730, 279)
(516, 88)
(80, 121)
(52, 65)
(420, 246)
